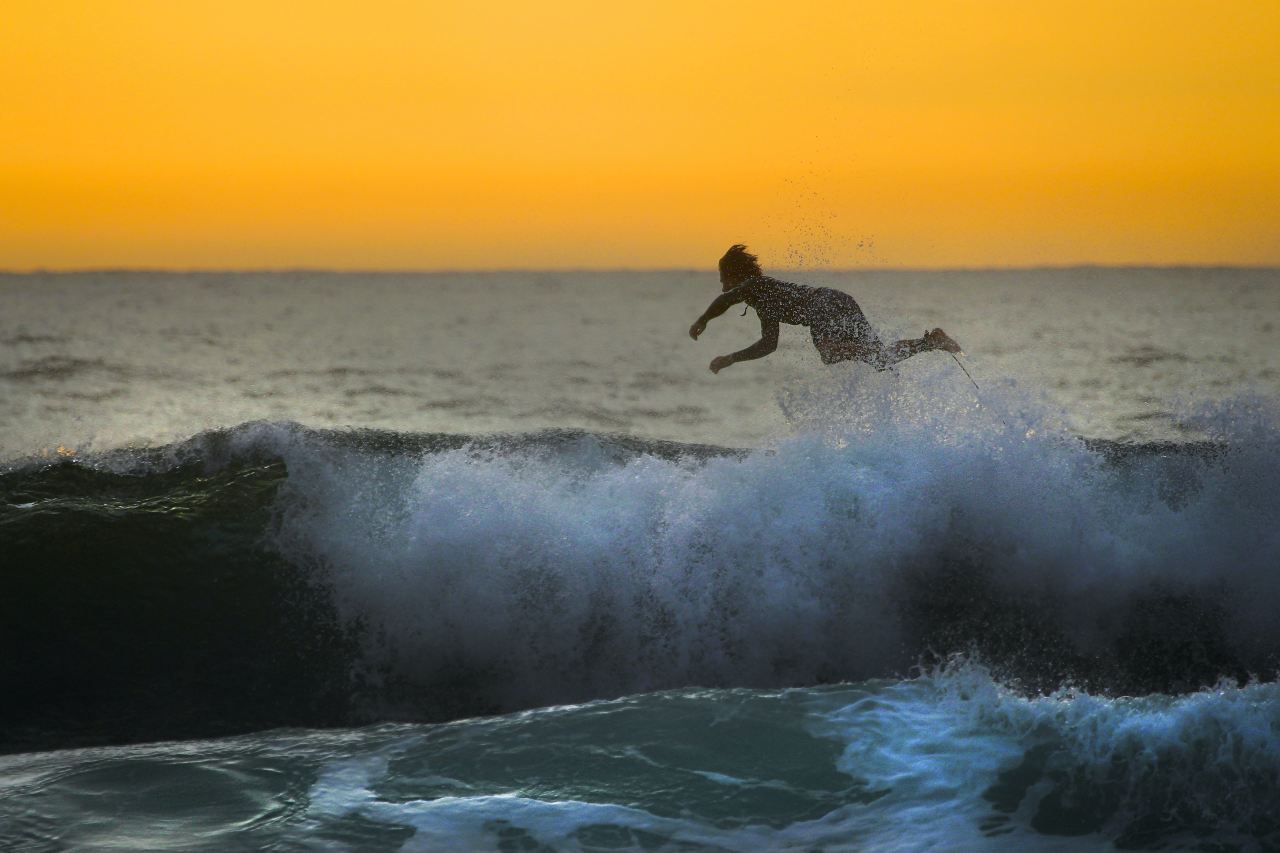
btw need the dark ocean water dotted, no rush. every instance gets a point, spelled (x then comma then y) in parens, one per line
(805, 608)
(94, 361)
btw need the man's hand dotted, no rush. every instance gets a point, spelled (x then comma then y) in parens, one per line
(697, 329)
(720, 362)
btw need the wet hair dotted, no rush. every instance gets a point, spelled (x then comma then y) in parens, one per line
(739, 263)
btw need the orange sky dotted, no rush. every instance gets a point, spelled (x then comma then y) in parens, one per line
(461, 135)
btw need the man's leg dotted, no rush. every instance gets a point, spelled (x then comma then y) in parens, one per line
(904, 349)
(834, 352)
(907, 347)
(853, 340)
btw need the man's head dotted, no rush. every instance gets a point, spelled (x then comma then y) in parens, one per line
(737, 266)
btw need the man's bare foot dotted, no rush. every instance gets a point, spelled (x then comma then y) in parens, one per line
(938, 339)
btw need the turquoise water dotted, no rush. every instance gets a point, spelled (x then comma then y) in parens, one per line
(952, 760)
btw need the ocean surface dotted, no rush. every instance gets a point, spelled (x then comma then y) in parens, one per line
(491, 561)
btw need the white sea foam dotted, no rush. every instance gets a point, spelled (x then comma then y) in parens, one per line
(560, 574)
(952, 759)
(961, 757)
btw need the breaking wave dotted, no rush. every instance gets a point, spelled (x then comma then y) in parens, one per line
(272, 574)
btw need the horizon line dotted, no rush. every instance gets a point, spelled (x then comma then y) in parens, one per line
(200, 270)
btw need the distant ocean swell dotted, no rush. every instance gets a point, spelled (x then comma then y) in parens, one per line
(274, 575)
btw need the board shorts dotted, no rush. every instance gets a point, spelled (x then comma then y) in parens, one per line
(837, 319)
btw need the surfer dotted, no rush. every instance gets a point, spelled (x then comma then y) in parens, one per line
(839, 329)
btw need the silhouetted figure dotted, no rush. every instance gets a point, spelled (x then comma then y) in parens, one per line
(839, 328)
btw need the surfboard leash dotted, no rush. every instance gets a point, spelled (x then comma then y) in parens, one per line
(966, 372)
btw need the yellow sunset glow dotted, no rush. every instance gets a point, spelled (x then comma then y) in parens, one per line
(450, 135)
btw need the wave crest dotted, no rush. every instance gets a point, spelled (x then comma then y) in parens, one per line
(297, 576)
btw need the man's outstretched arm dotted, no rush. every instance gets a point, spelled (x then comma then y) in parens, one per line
(719, 305)
(768, 343)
